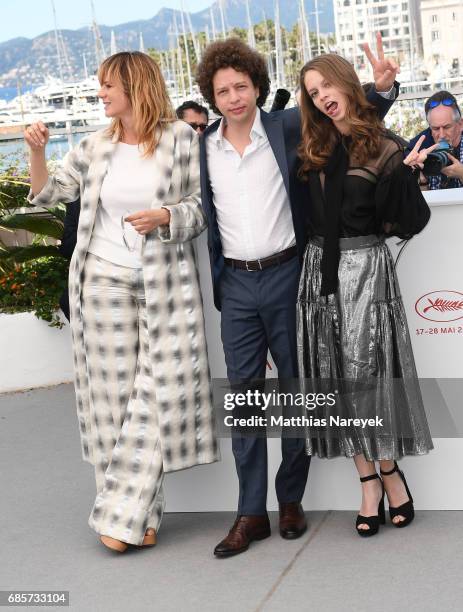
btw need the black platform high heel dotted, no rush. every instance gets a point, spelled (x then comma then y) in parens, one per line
(406, 510)
(373, 522)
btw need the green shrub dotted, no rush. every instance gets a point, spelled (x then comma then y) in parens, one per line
(32, 276)
(35, 286)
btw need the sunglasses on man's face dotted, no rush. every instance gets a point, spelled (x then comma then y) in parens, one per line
(198, 126)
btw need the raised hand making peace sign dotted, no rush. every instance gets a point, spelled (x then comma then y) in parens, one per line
(384, 69)
(416, 157)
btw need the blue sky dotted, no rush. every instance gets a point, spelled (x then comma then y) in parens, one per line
(32, 17)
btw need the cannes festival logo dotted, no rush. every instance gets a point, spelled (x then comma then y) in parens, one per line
(441, 306)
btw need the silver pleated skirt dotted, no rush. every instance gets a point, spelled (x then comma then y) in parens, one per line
(356, 344)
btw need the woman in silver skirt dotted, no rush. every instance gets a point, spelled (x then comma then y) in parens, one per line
(140, 360)
(353, 339)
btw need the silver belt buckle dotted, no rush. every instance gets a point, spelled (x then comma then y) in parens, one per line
(250, 270)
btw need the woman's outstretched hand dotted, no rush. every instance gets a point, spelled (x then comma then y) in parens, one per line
(384, 69)
(416, 158)
(36, 136)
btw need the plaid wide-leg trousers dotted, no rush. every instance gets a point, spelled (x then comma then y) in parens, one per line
(124, 419)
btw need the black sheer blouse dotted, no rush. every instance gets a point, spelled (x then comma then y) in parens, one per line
(379, 197)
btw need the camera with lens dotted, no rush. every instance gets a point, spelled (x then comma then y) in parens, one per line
(438, 159)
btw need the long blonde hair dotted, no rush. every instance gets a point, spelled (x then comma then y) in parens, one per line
(144, 85)
(319, 134)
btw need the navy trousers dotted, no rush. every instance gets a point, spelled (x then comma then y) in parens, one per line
(259, 314)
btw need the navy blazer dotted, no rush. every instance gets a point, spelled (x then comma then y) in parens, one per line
(71, 223)
(283, 130)
(68, 244)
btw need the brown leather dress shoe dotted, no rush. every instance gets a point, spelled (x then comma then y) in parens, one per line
(245, 530)
(292, 521)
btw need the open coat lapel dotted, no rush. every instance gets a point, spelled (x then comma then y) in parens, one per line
(163, 164)
(273, 125)
(91, 182)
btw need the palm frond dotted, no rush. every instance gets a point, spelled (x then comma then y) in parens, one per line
(26, 253)
(36, 223)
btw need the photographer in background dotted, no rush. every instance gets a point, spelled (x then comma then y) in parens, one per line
(444, 167)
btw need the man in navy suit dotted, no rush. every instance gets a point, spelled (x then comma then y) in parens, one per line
(256, 239)
(67, 246)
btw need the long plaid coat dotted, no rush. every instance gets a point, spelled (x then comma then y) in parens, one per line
(177, 348)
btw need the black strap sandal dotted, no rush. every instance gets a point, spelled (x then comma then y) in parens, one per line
(406, 510)
(373, 522)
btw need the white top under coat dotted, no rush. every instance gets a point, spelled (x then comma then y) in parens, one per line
(253, 210)
(128, 187)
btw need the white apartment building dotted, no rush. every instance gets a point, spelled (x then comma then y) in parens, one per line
(442, 28)
(357, 21)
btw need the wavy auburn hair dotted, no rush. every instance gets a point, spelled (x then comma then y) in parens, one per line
(143, 84)
(319, 134)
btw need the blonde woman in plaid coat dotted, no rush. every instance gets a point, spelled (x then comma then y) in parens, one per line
(141, 371)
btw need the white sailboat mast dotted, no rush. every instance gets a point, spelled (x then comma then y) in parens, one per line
(179, 56)
(188, 66)
(66, 61)
(171, 62)
(113, 48)
(99, 46)
(60, 67)
(141, 43)
(214, 32)
(280, 75)
(58, 52)
(317, 25)
(187, 55)
(251, 36)
(192, 33)
(305, 34)
(222, 19)
(269, 51)
(302, 33)
(85, 65)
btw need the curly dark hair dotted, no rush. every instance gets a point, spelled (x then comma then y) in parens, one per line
(232, 53)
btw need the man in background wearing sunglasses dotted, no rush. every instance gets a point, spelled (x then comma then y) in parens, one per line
(194, 114)
(445, 123)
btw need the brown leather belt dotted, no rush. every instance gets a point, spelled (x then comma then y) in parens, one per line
(260, 264)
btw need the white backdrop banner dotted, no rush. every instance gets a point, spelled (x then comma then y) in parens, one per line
(431, 281)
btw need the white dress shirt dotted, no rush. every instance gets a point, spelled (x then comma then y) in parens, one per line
(253, 210)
